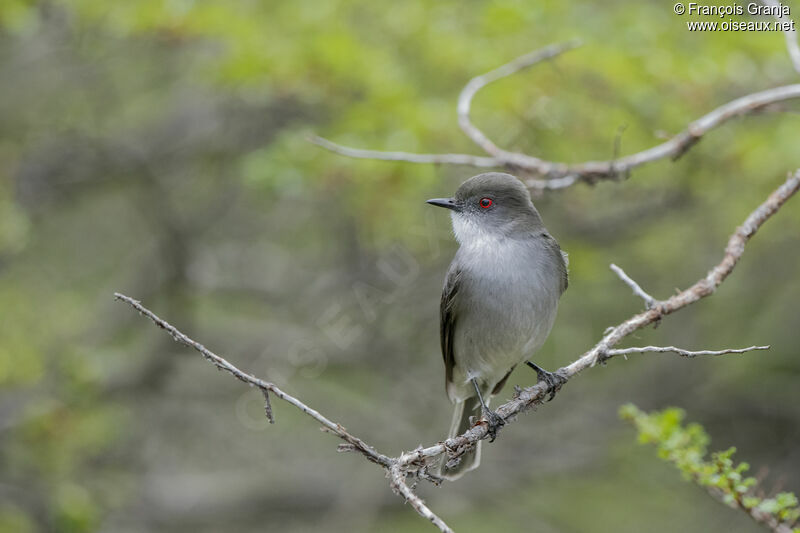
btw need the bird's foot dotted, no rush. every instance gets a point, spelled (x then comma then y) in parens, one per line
(554, 380)
(494, 422)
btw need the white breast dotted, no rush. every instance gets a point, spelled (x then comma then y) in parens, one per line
(506, 308)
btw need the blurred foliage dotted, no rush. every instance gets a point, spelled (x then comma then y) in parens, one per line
(157, 147)
(686, 447)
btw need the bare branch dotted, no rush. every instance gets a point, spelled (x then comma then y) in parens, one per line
(789, 33)
(675, 147)
(399, 484)
(681, 351)
(479, 82)
(449, 159)
(552, 184)
(415, 463)
(352, 443)
(590, 171)
(265, 386)
(649, 301)
(563, 175)
(438, 159)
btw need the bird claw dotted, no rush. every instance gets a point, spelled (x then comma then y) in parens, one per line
(493, 422)
(554, 380)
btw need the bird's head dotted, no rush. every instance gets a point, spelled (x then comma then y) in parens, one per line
(490, 205)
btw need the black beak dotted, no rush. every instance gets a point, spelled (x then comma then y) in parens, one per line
(447, 203)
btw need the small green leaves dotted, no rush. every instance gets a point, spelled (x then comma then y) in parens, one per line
(783, 506)
(686, 447)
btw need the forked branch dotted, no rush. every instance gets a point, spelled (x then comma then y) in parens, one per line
(543, 174)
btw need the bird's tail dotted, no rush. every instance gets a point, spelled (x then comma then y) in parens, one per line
(472, 459)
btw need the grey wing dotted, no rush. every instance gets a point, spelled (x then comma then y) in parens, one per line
(447, 320)
(561, 260)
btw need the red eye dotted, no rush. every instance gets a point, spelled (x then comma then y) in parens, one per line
(485, 203)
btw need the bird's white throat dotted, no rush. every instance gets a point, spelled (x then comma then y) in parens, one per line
(468, 233)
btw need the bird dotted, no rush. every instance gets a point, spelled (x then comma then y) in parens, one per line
(499, 300)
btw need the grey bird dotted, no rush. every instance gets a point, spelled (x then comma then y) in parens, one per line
(499, 300)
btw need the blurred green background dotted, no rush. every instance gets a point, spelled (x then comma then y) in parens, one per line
(157, 148)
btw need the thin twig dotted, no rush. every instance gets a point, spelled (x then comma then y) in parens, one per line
(649, 301)
(553, 184)
(449, 159)
(264, 386)
(681, 351)
(479, 82)
(399, 484)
